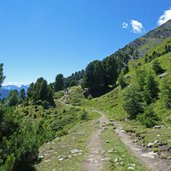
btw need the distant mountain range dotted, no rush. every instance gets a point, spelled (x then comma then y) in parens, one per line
(5, 90)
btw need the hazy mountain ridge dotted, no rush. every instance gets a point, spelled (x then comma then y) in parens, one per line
(5, 90)
(15, 87)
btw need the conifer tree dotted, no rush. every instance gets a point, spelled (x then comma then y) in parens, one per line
(140, 79)
(13, 98)
(41, 91)
(166, 93)
(59, 82)
(2, 77)
(22, 94)
(151, 89)
(157, 68)
(133, 102)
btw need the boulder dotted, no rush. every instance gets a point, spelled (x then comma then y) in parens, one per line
(76, 151)
(107, 141)
(131, 168)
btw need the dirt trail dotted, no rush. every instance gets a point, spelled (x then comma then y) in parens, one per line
(148, 159)
(95, 160)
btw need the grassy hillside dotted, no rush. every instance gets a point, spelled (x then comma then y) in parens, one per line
(58, 154)
(112, 104)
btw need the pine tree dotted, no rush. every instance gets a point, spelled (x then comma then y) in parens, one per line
(22, 94)
(110, 66)
(2, 77)
(41, 91)
(157, 68)
(148, 118)
(13, 98)
(166, 93)
(151, 89)
(133, 102)
(94, 78)
(59, 82)
(140, 79)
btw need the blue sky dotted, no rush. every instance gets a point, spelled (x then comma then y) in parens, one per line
(47, 37)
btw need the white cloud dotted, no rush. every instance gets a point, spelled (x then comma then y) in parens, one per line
(124, 25)
(137, 26)
(165, 17)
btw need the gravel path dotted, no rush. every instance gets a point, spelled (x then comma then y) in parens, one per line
(95, 161)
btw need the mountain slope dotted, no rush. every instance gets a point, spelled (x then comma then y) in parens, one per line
(150, 39)
(101, 76)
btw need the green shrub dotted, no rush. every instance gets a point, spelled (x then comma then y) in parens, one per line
(45, 104)
(148, 118)
(61, 133)
(121, 81)
(9, 164)
(84, 115)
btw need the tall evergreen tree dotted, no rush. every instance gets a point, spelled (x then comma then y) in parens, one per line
(166, 93)
(2, 77)
(22, 94)
(74, 79)
(110, 65)
(41, 91)
(13, 98)
(30, 90)
(140, 78)
(151, 89)
(59, 82)
(133, 102)
(157, 68)
(94, 78)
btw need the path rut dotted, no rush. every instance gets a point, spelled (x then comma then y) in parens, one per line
(148, 159)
